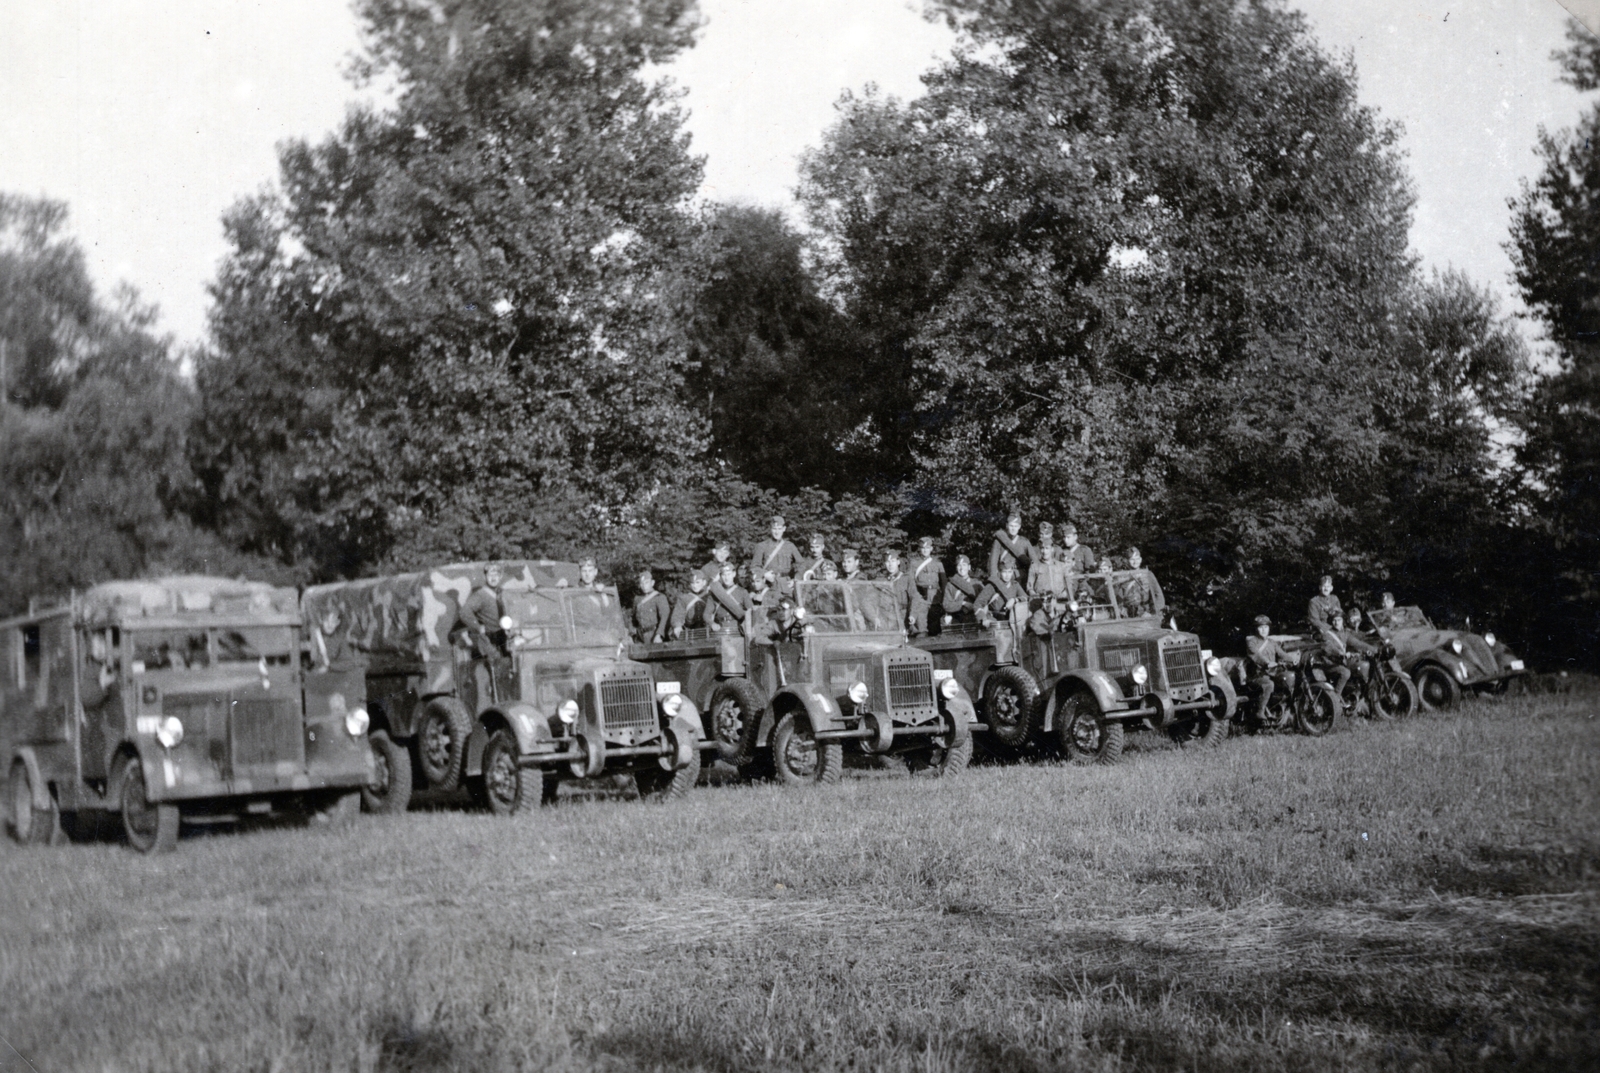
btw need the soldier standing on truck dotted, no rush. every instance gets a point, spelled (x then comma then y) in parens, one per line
(729, 604)
(650, 611)
(1048, 574)
(960, 592)
(851, 559)
(927, 587)
(776, 556)
(1010, 546)
(690, 612)
(1080, 560)
(481, 612)
(719, 555)
(1003, 598)
(818, 557)
(1324, 610)
(589, 575)
(899, 584)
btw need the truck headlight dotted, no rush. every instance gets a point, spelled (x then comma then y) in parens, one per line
(1488, 639)
(948, 689)
(1214, 667)
(858, 693)
(356, 722)
(568, 712)
(672, 705)
(169, 732)
(1455, 645)
(1141, 675)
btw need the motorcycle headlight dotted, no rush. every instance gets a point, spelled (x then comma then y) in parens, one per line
(1488, 639)
(169, 732)
(507, 622)
(1455, 645)
(568, 712)
(1141, 675)
(1214, 667)
(356, 722)
(948, 689)
(672, 705)
(858, 693)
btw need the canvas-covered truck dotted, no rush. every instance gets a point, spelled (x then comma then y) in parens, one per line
(786, 693)
(1076, 679)
(1446, 663)
(548, 693)
(170, 700)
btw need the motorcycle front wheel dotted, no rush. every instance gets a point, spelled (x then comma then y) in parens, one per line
(1316, 710)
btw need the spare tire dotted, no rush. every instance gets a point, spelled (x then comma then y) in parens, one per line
(1010, 701)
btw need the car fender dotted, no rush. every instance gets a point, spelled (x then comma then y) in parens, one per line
(529, 728)
(686, 737)
(820, 708)
(38, 790)
(1101, 686)
(689, 716)
(959, 708)
(1446, 661)
(1230, 697)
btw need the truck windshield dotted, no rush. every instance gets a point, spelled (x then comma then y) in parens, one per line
(538, 615)
(1093, 593)
(251, 644)
(1138, 593)
(169, 650)
(1402, 618)
(597, 619)
(850, 606)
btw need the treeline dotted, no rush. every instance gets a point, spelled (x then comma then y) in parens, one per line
(1141, 265)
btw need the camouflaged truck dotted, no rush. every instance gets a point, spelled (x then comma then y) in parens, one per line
(1108, 663)
(555, 697)
(177, 699)
(785, 697)
(1446, 663)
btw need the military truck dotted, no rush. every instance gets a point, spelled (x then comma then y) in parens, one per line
(1108, 663)
(552, 696)
(170, 700)
(788, 691)
(1444, 663)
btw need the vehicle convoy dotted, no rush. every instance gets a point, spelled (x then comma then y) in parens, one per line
(1077, 681)
(786, 693)
(170, 700)
(1444, 663)
(544, 696)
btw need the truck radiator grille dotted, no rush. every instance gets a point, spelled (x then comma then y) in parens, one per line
(911, 686)
(266, 732)
(628, 703)
(1183, 665)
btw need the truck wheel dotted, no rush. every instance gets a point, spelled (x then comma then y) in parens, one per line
(1084, 735)
(442, 742)
(150, 828)
(31, 826)
(1315, 714)
(1436, 688)
(1201, 732)
(956, 758)
(504, 782)
(657, 784)
(390, 789)
(1010, 699)
(1395, 698)
(735, 718)
(798, 756)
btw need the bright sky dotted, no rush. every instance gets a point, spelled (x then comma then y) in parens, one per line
(150, 116)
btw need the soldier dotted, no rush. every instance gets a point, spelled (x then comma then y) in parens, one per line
(1133, 594)
(830, 570)
(851, 561)
(1010, 545)
(1269, 662)
(1052, 617)
(1360, 649)
(927, 587)
(1044, 551)
(1080, 560)
(690, 612)
(899, 584)
(1049, 573)
(729, 604)
(332, 646)
(1003, 597)
(776, 556)
(1324, 610)
(719, 555)
(960, 592)
(815, 561)
(651, 612)
(589, 575)
(480, 612)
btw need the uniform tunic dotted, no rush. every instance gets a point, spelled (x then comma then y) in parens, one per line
(480, 616)
(959, 593)
(778, 557)
(927, 586)
(1013, 549)
(728, 606)
(712, 570)
(1324, 612)
(650, 615)
(998, 596)
(1047, 575)
(1080, 560)
(689, 613)
(813, 568)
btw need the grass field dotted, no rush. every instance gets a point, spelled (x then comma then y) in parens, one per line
(1416, 896)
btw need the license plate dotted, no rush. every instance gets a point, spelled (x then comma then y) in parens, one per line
(667, 688)
(1516, 665)
(939, 676)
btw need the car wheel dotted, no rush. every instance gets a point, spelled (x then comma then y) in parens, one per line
(1085, 737)
(390, 789)
(150, 828)
(799, 758)
(29, 825)
(735, 717)
(1436, 689)
(1010, 699)
(504, 782)
(442, 742)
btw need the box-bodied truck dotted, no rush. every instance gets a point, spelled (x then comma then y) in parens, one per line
(171, 700)
(541, 691)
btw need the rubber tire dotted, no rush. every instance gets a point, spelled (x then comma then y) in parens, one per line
(1322, 698)
(396, 759)
(1203, 731)
(657, 784)
(29, 825)
(342, 811)
(162, 835)
(1013, 733)
(1433, 677)
(956, 758)
(1412, 699)
(505, 785)
(1080, 705)
(449, 716)
(743, 697)
(830, 755)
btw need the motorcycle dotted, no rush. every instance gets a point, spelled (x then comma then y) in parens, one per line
(1378, 689)
(1302, 698)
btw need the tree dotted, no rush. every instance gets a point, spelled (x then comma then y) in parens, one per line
(450, 332)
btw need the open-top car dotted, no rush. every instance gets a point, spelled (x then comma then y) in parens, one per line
(789, 689)
(547, 694)
(1444, 663)
(171, 700)
(1078, 678)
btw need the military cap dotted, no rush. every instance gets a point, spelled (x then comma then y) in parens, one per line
(777, 519)
(1069, 528)
(1046, 529)
(850, 553)
(1014, 513)
(1263, 620)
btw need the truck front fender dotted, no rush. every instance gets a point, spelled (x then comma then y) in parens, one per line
(818, 706)
(529, 728)
(37, 788)
(1101, 686)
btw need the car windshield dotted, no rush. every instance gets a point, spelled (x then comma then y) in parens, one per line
(1402, 618)
(251, 644)
(537, 615)
(850, 606)
(169, 650)
(1138, 593)
(597, 619)
(1093, 593)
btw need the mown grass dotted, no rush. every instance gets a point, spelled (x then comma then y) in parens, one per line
(1418, 896)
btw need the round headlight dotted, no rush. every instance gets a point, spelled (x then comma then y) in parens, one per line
(1455, 645)
(1140, 675)
(1214, 667)
(858, 693)
(507, 622)
(568, 712)
(356, 722)
(170, 732)
(948, 689)
(1488, 639)
(673, 704)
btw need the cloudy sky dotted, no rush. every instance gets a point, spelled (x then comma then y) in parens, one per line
(150, 116)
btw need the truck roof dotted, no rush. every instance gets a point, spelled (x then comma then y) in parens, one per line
(179, 599)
